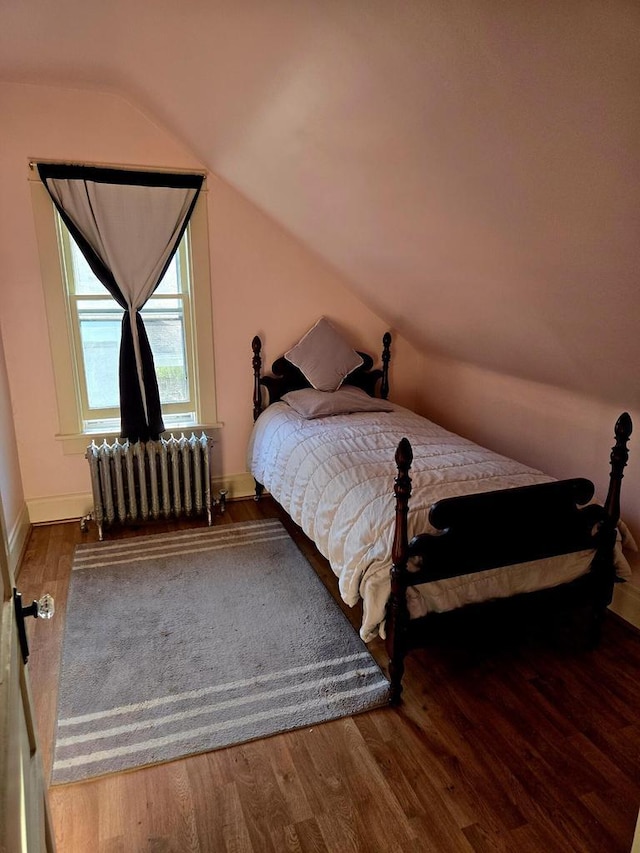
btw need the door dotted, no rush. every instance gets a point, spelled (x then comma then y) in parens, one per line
(25, 826)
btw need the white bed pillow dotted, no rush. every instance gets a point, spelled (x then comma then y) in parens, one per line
(324, 357)
(321, 404)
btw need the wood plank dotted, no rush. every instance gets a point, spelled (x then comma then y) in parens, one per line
(260, 795)
(288, 780)
(309, 837)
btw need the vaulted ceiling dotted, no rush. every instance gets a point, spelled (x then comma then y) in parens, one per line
(472, 168)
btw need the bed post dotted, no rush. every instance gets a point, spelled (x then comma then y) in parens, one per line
(397, 616)
(619, 459)
(386, 355)
(603, 566)
(256, 346)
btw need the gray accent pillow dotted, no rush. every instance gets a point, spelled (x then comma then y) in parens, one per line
(324, 357)
(320, 404)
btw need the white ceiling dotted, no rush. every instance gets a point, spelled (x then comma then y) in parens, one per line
(471, 167)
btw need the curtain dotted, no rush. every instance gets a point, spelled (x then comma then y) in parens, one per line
(128, 225)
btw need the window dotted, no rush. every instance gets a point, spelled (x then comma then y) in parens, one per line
(95, 326)
(84, 328)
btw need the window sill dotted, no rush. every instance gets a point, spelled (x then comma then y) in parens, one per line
(77, 443)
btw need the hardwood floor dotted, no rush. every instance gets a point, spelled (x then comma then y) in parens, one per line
(527, 749)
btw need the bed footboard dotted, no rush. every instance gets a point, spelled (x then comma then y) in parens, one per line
(501, 528)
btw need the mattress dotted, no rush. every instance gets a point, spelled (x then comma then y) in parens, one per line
(334, 476)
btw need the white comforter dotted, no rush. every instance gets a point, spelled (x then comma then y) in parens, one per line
(334, 476)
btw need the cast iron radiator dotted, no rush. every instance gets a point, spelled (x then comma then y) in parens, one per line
(149, 480)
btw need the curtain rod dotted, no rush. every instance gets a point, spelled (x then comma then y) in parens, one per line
(33, 162)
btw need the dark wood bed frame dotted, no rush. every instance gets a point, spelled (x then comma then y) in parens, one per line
(481, 531)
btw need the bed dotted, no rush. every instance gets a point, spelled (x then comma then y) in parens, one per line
(420, 523)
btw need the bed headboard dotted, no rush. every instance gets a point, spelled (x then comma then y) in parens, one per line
(286, 376)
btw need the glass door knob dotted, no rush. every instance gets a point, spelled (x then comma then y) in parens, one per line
(46, 607)
(43, 609)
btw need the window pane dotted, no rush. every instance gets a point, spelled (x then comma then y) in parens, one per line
(100, 339)
(100, 326)
(171, 280)
(86, 283)
(165, 329)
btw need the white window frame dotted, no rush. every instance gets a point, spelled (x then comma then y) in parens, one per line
(71, 431)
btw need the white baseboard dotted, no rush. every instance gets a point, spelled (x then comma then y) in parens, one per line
(237, 486)
(626, 603)
(59, 508)
(17, 539)
(69, 507)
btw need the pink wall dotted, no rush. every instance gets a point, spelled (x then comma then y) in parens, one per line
(562, 433)
(472, 168)
(262, 280)
(267, 284)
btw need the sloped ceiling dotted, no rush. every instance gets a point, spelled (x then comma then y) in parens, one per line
(471, 167)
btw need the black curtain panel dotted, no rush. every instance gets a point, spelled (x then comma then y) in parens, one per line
(128, 225)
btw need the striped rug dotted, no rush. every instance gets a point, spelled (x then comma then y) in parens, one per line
(181, 643)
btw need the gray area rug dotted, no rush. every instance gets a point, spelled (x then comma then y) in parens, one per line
(181, 643)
